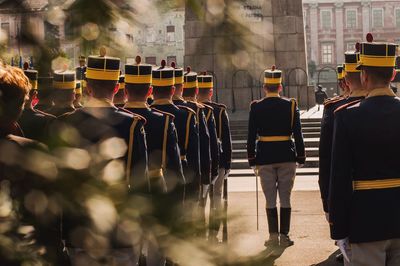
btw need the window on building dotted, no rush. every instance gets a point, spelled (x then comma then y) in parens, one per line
(5, 32)
(351, 19)
(350, 46)
(152, 60)
(171, 59)
(397, 16)
(151, 35)
(170, 33)
(326, 19)
(327, 53)
(377, 18)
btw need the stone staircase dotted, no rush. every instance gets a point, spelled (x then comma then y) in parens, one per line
(311, 132)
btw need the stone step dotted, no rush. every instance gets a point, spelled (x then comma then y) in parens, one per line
(243, 136)
(311, 129)
(250, 172)
(242, 153)
(311, 134)
(311, 162)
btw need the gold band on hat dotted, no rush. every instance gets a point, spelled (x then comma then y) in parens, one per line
(34, 84)
(78, 90)
(340, 75)
(378, 61)
(163, 82)
(135, 79)
(192, 84)
(206, 85)
(122, 86)
(272, 80)
(69, 85)
(179, 80)
(351, 67)
(100, 74)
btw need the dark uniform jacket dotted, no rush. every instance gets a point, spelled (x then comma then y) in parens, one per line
(365, 190)
(162, 145)
(188, 140)
(275, 116)
(35, 124)
(59, 111)
(80, 72)
(214, 145)
(204, 136)
(100, 121)
(223, 134)
(325, 143)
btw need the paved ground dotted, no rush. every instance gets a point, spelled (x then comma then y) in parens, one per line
(309, 231)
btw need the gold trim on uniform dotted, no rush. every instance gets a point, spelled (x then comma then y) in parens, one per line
(162, 102)
(179, 80)
(274, 138)
(376, 184)
(381, 92)
(155, 173)
(136, 105)
(99, 103)
(358, 93)
(34, 84)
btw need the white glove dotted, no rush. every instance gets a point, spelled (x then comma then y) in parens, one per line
(205, 189)
(227, 171)
(344, 245)
(300, 165)
(253, 167)
(327, 216)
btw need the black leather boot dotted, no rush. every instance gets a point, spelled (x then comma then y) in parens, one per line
(285, 227)
(272, 217)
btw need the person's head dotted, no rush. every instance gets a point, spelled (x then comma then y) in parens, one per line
(377, 77)
(14, 90)
(138, 92)
(102, 76)
(82, 61)
(353, 81)
(319, 87)
(178, 89)
(178, 76)
(272, 80)
(64, 85)
(190, 92)
(163, 83)
(205, 94)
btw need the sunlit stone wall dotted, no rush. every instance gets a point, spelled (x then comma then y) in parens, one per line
(238, 39)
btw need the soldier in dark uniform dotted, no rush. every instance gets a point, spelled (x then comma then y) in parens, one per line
(273, 121)
(353, 81)
(225, 148)
(34, 123)
(188, 136)
(64, 84)
(100, 121)
(78, 95)
(165, 166)
(320, 96)
(80, 72)
(189, 100)
(365, 183)
(120, 96)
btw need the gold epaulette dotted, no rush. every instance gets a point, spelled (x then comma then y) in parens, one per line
(186, 108)
(336, 98)
(345, 106)
(164, 113)
(221, 105)
(139, 118)
(199, 105)
(254, 102)
(208, 106)
(334, 101)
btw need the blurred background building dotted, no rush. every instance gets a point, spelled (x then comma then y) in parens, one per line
(333, 27)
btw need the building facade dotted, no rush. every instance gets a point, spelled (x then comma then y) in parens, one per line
(334, 26)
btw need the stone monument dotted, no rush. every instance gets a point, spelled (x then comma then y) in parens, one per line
(237, 39)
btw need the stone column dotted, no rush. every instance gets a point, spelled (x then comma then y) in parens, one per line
(339, 33)
(366, 17)
(314, 32)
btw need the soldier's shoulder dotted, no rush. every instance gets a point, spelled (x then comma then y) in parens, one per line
(221, 105)
(186, 109)
(44, 114)
(255, 102)
(334, 102)
(162, 114)
(26, 143)
(208, 106)
(347, 106)
(139, 118)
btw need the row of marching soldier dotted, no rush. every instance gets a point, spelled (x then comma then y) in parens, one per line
(359, 173)
(176, 146)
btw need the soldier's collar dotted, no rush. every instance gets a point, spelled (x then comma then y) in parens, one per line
(103, 102)
(192, 99)
(136, 104)
(358, 93)
(381, 92)
(178, 98)
(272, 94)
(162, 102)
(206, 101)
